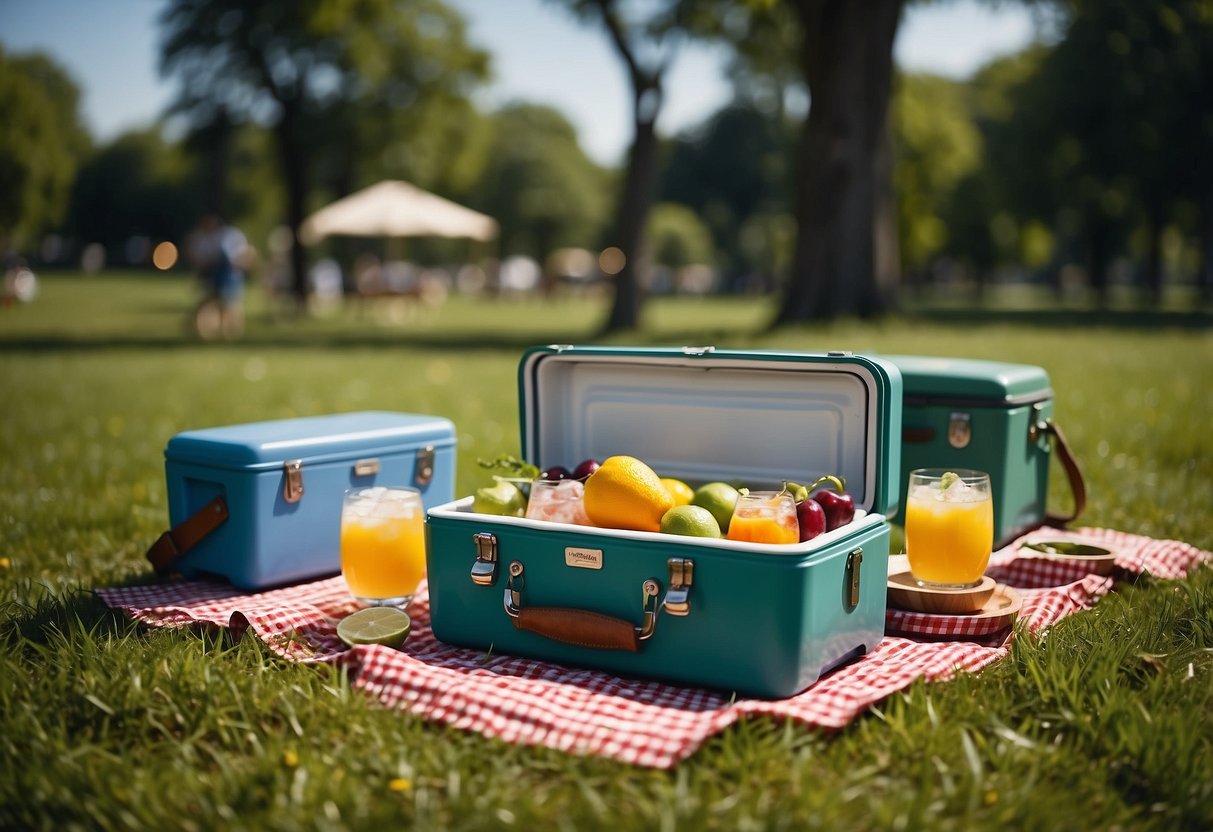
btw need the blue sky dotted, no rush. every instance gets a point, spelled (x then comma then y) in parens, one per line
(539, 54)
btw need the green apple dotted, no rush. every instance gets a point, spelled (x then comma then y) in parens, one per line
(502, 498)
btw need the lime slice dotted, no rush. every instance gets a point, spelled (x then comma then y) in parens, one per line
(375, 625)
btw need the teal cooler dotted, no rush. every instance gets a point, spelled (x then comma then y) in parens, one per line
(759, 619)
(989, 416)
(260, 504)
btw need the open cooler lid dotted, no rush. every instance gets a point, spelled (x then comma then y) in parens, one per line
(970, 381)
(310, 438)
(703, 414)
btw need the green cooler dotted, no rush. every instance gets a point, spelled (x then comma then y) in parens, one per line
(989, 416)
(757, 618)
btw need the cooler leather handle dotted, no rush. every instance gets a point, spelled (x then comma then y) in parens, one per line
(1077, 486)
(580, 628)
(187, 534)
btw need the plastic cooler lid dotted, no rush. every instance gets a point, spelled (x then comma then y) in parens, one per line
(311, 438)
(700, 414)
(971, 379)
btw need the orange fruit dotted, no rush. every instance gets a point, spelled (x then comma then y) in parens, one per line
(679, 490)
(624, 493)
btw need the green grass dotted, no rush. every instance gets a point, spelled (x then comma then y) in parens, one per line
(1107, 722)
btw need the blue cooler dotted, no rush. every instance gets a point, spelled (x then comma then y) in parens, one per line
(260, 503)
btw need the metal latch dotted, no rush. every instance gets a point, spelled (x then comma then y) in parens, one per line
(854, 562)
(484, 570)
(292, 484)
(423, 471)
(366, 467)
(677, 597)
(960, 429)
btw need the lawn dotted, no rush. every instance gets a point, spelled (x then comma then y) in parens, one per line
(1107, 722)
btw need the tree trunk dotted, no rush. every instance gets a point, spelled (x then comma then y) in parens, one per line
(1154, 257)
(847, 60)
(631, 217)
(1205, 279)
(294, 174)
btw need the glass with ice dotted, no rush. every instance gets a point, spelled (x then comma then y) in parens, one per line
(949, 527)
(559, 501)
(383, 544)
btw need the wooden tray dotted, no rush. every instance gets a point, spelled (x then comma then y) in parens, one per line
(1099, 560)
(906, 594)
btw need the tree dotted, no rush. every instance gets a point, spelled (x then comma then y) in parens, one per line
(305, 68)
(539, 184)
(843, 262)
(42, 140)
(646, 45)
(137, 185)
(731, 170)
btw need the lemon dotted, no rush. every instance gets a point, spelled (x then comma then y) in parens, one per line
(624, 493)
(718, 498)
(692, 521)
(388, 626)
(679, 490)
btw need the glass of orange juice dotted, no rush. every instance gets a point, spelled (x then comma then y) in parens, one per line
(764, 517)
(383, 544)
(949, 527)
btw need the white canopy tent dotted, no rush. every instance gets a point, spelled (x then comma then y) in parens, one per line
(398, 209)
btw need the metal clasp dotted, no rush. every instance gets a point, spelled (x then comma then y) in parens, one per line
(484, 570)
(960, 430)
(292, 484)
(677, 597)
(366, 467)
(423, 470)
(854, 562)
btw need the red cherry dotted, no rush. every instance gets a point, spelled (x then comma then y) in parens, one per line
(584, 469)
(812, 518)
(839, 508)
(556, 472)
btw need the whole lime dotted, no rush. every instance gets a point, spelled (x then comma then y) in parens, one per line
(719, 498)
(692, 521)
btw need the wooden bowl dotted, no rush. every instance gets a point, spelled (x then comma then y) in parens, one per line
(1096, 559)
(906, 594)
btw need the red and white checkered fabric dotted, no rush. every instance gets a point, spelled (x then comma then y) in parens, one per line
(642, 722)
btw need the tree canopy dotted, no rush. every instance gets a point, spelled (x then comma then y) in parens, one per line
(42, 140)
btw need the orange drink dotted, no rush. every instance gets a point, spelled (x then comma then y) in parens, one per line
(949, 527)
(764, 517)
(383, 544)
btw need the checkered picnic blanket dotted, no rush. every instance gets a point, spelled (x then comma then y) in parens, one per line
(642, 722)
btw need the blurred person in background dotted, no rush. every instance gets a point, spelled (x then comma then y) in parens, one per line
(220, 253)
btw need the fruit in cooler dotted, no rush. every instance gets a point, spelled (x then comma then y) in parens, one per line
(719, 498)
(679, 491)
(812, 519)
(692, 521)
(503, 498)
(556, 472)
(584, 469)
(625, 493)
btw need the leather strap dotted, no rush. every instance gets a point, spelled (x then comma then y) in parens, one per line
(187, 534)
(581, 628)
(1077, 487)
